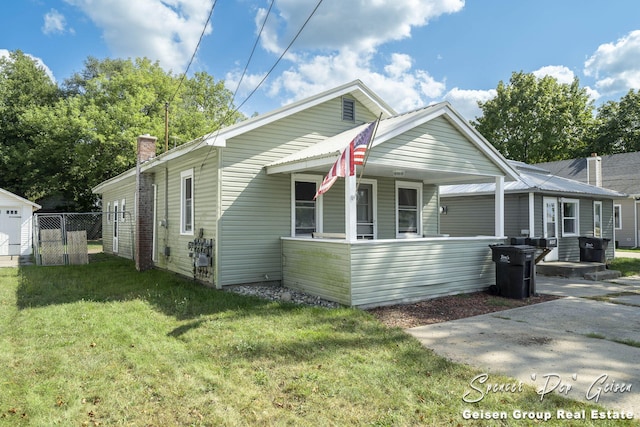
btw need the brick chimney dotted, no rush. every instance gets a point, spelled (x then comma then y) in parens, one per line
(146, 147)
(594, 170)
(144, 204)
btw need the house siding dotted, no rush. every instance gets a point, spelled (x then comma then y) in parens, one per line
(468, 216)
(256, 207)
(203, 164)
(126, 228)
(626, 237)
(387, 271)
(435, 145)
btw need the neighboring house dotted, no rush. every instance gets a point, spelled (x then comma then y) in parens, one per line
(538, 204)
(237, 206)
(16, 216)
(618, 172)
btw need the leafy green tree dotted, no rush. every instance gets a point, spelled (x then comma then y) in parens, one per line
(535, 119)
(618, 126)
(90, 133)
(24, 85)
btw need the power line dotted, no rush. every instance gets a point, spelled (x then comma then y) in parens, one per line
(204, 29)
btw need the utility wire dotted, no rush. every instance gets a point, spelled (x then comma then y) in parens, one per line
(204, 29)
(230, 112)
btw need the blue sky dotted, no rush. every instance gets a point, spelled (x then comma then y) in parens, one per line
(410, 52)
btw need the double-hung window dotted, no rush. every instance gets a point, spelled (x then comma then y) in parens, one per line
(617, 217)
(408, 209)
(570, 217)
(306, 210)
(186, 202)
(597, 219)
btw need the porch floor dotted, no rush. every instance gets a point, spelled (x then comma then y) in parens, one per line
(587, 270)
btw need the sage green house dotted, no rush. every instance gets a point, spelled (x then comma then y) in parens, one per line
(237, 206)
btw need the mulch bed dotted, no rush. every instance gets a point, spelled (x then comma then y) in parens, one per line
(447, 308)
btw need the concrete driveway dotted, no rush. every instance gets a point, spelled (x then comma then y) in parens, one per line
(570, 346)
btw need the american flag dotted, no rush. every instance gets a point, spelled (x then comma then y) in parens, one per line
(355, 151)
(359, 145)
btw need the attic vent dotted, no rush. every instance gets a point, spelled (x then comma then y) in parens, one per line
(348, 110)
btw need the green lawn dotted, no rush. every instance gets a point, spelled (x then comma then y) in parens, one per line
(627, 266)
(102, 344)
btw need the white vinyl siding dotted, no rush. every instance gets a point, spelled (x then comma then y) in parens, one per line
(436, 145)
(256, 209)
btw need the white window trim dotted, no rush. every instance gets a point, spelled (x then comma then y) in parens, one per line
(577, 217)
(416, 186)
(184, 175)
(619, 208)
(597, 203)
(374, 200)
(306, 178)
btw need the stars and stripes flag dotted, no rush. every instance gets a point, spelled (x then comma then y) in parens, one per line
(351, 156)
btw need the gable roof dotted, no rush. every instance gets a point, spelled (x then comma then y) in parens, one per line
(219, 138)
(19, 199)
(533, 178)
(619, 171)
(324, 153)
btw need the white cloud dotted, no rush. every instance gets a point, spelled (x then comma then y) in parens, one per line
(615, 66)
(55, 23)
(466, 101)
(561, 73)
(162, 30)
(340, 42)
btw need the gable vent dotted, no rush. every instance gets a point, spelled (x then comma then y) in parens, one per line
(348, 110)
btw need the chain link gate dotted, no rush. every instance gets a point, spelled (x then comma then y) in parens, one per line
(66, 238)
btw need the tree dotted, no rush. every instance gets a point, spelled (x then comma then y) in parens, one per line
(24, 85)
(537, 119)
(90, 133)
(618, 126)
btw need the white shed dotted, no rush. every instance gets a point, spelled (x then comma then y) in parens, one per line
(16, 216)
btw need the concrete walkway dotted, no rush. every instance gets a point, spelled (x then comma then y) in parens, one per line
(14, 261)
(570, 346)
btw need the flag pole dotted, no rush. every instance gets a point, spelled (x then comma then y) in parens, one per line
(366, 153)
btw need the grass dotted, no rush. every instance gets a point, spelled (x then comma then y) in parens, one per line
(627, 266)
(102, 344)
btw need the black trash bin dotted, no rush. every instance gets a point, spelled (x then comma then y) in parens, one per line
(593, 249)
(515, 270)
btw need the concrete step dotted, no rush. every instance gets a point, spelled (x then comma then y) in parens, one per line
(569, 269)
(603, 275)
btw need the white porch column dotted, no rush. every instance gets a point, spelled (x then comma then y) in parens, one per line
(350, 209)
(499, 213)
(532, 212)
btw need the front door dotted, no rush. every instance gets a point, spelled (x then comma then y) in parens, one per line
(10, 230)
(550, 224)
(365, 212)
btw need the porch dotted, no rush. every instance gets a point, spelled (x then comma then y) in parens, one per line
(368, 273)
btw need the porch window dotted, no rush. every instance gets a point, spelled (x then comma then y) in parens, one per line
(570, 223)
(186, 202)
(408, 209)
(617, 216)
(597, 219)
(306, 210)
